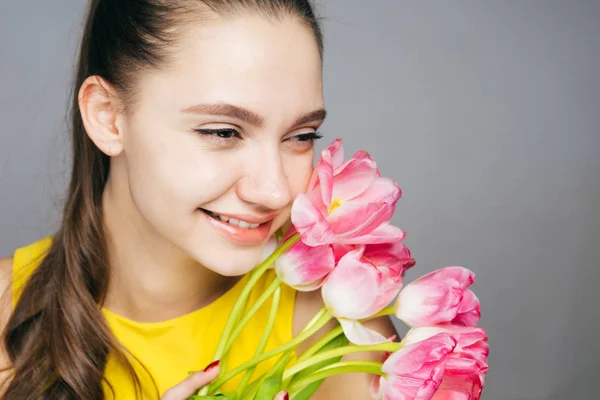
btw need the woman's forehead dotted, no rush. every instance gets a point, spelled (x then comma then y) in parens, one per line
(251, 62)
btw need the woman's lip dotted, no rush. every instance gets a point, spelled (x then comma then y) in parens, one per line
(251, 219)
(244, 236)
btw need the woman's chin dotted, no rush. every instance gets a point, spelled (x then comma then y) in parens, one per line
(232, 270)
(230, 263)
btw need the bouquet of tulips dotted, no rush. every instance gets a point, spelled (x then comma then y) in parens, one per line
(342, 243)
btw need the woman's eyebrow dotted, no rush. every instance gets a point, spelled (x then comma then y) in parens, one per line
(242, 114)
(317, 115)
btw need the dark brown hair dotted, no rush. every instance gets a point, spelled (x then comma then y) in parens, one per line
(57, 339)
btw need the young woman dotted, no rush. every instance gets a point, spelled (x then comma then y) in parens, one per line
(193, 128)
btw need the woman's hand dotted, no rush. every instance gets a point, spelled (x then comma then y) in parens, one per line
(187, 387)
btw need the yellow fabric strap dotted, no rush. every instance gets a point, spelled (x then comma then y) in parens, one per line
(25, 261)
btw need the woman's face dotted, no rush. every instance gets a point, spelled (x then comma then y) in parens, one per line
(227, 128)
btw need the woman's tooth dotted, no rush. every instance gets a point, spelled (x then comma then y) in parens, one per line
(244, 225)
(237, 222)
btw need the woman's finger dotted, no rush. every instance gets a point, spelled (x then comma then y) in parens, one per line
(282, 396)
(188, 386)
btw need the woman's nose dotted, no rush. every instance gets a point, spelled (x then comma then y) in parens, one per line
(265, 183)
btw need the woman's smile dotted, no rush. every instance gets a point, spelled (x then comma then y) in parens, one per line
(244, 230)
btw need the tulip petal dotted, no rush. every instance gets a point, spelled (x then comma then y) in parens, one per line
(459, 388)
(468, 336)
(352, 221)
(356, 289)
(320, 185)
(310, 223)
(382, 189)
(351, 287)
(340, 250)
(334, 153)
(416, 370)
(304, 267)
(469, 357)
(394, 255)
(419, 334)
(469, 311)
(385, 233)
(324, 172)
(464, 365)
(434, 298)
(358, 334)
(358, 155)
(356, 176)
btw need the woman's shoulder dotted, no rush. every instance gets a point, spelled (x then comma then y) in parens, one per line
(6, 265)
(6, 268)
(15, 271)
(24, 260)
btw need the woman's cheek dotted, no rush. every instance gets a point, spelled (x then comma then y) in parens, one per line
(299, 175)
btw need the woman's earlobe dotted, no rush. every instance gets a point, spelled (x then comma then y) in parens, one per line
(97, 101)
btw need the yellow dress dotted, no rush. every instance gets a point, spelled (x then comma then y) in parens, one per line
(169, 349)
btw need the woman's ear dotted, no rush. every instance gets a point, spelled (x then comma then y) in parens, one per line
(98, 106)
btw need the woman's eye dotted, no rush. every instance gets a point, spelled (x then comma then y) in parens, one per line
(220, 134)
(303, 142)
(311, 136)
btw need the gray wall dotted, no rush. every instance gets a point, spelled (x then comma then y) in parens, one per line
(488, 115)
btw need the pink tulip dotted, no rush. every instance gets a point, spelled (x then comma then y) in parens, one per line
(303, 267)
(365, 280)
(379, 254)
(439, 297)
(472, 344)
(346, 202)
(415, 371)
(469, 311)
(466, 366)
(459, 388)
(394, 254)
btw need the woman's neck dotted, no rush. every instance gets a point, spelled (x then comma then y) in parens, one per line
(151, 280)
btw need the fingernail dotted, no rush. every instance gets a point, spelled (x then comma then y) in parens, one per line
(212, 365)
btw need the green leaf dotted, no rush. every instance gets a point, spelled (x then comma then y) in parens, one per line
(270, 387)
(309, 390)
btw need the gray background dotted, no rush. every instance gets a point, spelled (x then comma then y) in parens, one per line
(487, 113)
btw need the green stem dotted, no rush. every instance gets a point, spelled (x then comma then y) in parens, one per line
(343, 367)
(241, 301)
(340, 351)
(240, 304)
(315, 319)
(386, 311)
(259, 302)
(264, 340)
(307, 327)
(283, 360)
(334, 333)
(320, 320)
(253, 387)
(320, 343)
